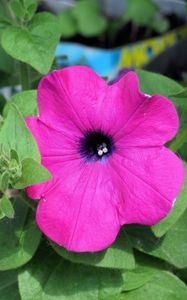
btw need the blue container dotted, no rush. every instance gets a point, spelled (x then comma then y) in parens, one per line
(108, 63)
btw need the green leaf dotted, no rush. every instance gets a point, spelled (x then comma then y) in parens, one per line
(118, 256)
(1, 215)
(90, 22)
(2, 104)
(14, 155)
(19, 237)
(179, 140)
(160, 25)
(152, 83)
(17, 8)
(180, 205)
(146, 268)
(138, 277)
(4, 15)
(25, 102)
(4, 23)
(4, 181)
(68, 24)
(15, 135)
(141, 12)
(49, 277)
(180, 98)
(183, 151)
(31, 7)
(32, 173)
(164, 285)
(182, 274)
(36, 44)
(9, 286)
(6, 62)
(6, 207)
(172, 247)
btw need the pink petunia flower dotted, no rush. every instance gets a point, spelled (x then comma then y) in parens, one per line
(104, 147)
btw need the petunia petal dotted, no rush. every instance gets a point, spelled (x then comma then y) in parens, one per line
(84, 204)
(119, 103)
(125, 98)
(148, 121)
(70, 96)
(150, 184)
(80, 213)
(51, 141)
(87, 103)
(56, 148)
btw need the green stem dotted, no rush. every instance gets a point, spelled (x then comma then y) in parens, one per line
(24, 76)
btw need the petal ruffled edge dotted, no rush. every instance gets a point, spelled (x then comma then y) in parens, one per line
(80, 213)
(149, 186)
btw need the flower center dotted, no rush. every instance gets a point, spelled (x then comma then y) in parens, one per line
(96, 145)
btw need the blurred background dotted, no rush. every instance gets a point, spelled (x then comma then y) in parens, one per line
(112, 36)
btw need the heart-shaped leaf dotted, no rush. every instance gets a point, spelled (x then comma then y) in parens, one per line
(50, 277)
(19, 237)
(25, 102)
(163, 285)
(152, 83)
(118, 256)
(6, 207)
(32, 173)
(35, 44)
(172, 247)
(9, 286)
(15, 135)
(90, 22)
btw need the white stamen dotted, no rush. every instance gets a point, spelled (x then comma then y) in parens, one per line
(100, 152)
(105, 150)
